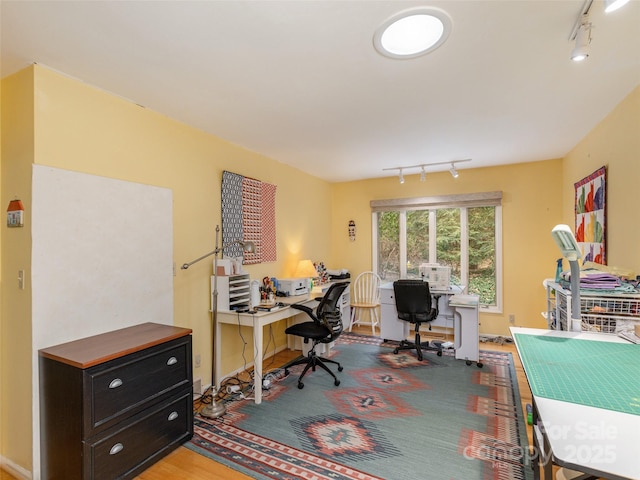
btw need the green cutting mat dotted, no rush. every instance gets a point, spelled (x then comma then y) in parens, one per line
(598, 374)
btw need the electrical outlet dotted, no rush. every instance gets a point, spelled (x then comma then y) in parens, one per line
(198, 360)
(197, 386)
(512, 319)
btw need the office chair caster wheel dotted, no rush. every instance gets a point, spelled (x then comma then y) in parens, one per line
(336, 383)
(479, 365)
(439, 353)
(395, 351)
(468, 362)
(340, 368)
(300, 385)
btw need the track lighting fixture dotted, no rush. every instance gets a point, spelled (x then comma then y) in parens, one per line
(583, 40)
(581, 32)
(423, 172)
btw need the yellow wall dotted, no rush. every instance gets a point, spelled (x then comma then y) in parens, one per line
(536, 196)
(15, 351)
(76, 127)
(82, 129)
(52, 120)
(531, 207)
(614, 143)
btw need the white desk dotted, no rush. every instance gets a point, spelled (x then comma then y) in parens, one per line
(257, 321)
(465, 328)
(461, 317)
(392, 328)
(596, 441)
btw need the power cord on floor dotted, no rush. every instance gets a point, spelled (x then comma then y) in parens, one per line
(497, 339)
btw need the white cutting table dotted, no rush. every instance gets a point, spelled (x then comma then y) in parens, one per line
(595, 441)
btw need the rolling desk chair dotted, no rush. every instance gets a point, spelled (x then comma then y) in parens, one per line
(325, 327)
(413, 303)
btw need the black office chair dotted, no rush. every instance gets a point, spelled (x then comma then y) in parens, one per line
(325, 327)
(413, 303)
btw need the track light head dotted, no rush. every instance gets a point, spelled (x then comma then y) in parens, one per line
(454, 172)
(613, 5)
(583, 40)
(401, 177)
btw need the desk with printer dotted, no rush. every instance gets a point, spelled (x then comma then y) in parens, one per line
(238, 296)
(236, 307)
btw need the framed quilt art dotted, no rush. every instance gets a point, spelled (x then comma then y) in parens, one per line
(249, 213)
(591, 216)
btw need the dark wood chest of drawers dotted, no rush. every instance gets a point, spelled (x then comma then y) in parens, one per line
(113, 404)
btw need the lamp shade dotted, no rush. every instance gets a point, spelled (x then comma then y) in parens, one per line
(566, 242)
(248, 246)
(306, 269)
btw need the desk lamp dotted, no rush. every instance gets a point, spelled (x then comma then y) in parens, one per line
(571, 251)
(306, 270)
(215, 409)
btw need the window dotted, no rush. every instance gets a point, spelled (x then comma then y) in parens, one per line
(462, 232)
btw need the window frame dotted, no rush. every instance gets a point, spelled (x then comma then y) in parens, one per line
(461, 201)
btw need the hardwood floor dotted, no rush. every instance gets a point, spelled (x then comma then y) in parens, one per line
(184, 464)
(6, 475)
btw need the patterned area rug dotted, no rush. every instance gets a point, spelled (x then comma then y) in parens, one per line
(392, 417)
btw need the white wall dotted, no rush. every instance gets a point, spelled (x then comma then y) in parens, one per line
(102, 259)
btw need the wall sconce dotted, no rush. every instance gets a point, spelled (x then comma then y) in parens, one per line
(352, 230)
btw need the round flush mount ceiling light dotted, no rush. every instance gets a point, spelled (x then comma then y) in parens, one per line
(413, 32)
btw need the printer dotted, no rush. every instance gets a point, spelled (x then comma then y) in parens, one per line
(293, 286)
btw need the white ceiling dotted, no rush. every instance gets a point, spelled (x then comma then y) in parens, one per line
(300, 82)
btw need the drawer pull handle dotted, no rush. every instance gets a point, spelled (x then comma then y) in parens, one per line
(172, 361)
(172, 416)
(115, 383)
(117, 448)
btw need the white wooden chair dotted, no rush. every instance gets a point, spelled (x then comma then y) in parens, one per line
(365, 301)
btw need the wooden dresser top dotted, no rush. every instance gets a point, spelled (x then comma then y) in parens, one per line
(91, 351)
